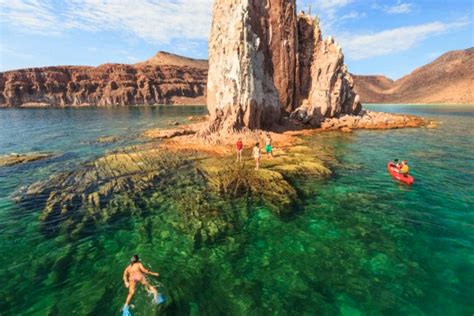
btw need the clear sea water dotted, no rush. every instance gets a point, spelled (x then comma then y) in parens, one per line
(362, 245)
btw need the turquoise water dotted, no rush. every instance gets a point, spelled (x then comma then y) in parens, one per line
(362, 244)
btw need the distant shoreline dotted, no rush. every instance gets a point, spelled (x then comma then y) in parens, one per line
(420, 104)
(48, 106)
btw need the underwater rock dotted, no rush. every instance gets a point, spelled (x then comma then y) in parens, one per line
(211, 195)
(107, 139)
(15, 159)
(82, 196)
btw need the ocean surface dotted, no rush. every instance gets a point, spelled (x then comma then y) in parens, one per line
(363, 244)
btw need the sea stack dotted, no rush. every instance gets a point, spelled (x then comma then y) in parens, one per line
(241, 86)
(266, 63)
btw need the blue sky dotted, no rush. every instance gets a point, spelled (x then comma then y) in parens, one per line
(389, 37)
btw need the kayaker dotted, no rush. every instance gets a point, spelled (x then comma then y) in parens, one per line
(404, 168)
(397, 163)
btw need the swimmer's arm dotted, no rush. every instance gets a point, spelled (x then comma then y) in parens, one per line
(142, 268)
(125, 277)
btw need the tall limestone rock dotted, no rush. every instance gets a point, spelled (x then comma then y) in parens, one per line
(326, 87)
(252, 63)
(283, 29)
(265, 62)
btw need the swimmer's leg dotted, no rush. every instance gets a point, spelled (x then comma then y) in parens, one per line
(157, 297)
(148, 287)
(131, 292)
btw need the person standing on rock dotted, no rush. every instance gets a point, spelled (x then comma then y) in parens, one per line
(268, 146)
(256, 155)
(135, 273)
(239, 147)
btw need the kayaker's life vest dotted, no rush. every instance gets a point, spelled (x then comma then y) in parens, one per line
(404, 169)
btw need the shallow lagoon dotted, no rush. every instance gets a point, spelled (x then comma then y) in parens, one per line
(362, 244)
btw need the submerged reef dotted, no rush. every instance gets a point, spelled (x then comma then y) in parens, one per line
(212, 194)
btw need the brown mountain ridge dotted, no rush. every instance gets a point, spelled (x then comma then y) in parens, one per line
(163, 79)
(447, 80)
(171, 79)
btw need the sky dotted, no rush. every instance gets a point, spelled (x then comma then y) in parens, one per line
(390, 37)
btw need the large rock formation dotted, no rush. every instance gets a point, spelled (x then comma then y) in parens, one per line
(163, 79)
(447, 80)
(241, 89)
(266, 62)
(325, 84)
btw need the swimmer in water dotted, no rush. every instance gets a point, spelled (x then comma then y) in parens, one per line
(135, 273)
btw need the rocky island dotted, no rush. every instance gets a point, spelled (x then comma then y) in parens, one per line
(270, 70)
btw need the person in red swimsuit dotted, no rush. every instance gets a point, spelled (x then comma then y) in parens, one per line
(239, 147)
(134, 274)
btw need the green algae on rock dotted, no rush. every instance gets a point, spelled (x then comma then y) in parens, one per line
(211, 195)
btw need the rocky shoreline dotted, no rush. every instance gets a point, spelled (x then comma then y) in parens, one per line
(187, 136)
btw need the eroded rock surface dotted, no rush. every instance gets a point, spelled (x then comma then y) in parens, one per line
(266, 62)
(163, 79)
(241, 91)
(326, 86)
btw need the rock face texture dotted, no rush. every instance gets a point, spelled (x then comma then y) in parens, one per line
(282, 26)
(240, 87)
(325, 84)
(163, 79)
(267, 63)
(447, 80)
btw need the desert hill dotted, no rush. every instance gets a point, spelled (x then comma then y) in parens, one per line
(447, 80)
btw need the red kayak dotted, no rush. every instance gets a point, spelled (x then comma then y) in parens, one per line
(392, 169)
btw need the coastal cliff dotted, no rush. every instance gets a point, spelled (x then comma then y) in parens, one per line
(267, 63)
(163, 79)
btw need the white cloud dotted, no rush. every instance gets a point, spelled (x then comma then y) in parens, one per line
(392, 41)
(156, 21)
(30, 15)
(328, 5)
(353, 15)
(399, 8)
